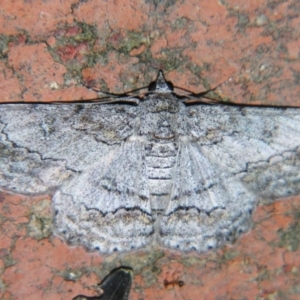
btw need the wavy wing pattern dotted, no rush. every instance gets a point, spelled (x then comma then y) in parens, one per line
(186, 177)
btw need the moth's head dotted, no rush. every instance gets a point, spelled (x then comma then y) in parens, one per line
(160, 85)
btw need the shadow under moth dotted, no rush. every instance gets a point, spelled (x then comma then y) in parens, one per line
(160, 169)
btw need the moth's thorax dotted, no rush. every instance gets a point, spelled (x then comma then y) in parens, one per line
(165, 102)
(161, 120)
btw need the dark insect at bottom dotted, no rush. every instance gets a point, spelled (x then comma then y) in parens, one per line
(115, 286)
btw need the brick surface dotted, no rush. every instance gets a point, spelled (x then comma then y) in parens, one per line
(249, 50)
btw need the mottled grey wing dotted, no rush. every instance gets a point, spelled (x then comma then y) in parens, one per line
(89, 154)
(232, 157)
(43, 144)
(107, 207)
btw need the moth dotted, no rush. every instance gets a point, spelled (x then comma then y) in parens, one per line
(115, 286)
(158, 170)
